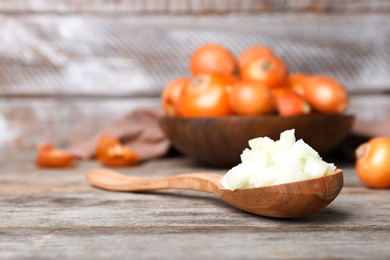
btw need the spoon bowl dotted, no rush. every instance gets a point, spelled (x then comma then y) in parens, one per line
(288, 200)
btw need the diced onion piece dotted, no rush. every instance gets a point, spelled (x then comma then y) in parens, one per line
(315, 167)
(331, 168)
(255, 143)
(287, 139)
(265, 177)
(302, 150)
(237, 177)
(258, 157)
(291, 176)
(284, 157)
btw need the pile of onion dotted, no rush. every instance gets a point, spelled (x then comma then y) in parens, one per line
(268, 162)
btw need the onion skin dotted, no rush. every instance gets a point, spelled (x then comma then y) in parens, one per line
(253, 53)
(171, 95)
(325, 94)
(51, 157)
(212, 58)
(269, 70)
(205, 95)
(251, 98)
(373, 163)
(290, 103)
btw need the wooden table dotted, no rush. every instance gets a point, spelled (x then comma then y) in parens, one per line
(47, 213)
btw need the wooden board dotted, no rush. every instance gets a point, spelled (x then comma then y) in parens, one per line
(136, 55)
(55, 213)
(67, 68)
(192, 6)
(25, 122)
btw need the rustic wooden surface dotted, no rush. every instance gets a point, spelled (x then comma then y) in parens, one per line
(48, 213)
(191, 6)
(67, 68)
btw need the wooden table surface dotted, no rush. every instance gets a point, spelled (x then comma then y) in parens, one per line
(46, 213)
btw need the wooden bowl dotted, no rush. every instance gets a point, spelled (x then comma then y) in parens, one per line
(219, 141)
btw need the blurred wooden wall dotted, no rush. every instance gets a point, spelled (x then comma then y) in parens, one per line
(69, 67)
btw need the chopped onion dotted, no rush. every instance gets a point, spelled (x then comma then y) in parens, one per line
(267, 162)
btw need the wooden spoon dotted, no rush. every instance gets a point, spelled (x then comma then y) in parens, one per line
(280, 201)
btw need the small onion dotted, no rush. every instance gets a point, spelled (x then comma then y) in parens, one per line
(325, 94)
(372, 162)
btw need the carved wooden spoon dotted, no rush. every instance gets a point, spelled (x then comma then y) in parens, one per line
(280, 201)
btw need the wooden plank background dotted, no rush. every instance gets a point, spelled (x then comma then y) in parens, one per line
(68, 67)
(192, 6)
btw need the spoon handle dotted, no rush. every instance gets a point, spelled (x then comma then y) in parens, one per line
(114, 181)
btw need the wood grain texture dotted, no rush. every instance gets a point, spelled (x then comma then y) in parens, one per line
(25, 122)
(136, 55)
(191, 6)
(115, 181)
(55, 213)
(206, 243)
